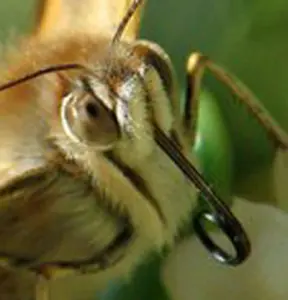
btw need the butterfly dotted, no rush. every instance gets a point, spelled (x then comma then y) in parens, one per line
(96, 168)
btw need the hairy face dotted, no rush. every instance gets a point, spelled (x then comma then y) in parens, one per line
(90, 188)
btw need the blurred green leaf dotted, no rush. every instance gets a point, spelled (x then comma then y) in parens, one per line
(248, 38)
(16, 18)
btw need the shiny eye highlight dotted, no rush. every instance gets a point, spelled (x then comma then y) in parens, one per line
(86, 120)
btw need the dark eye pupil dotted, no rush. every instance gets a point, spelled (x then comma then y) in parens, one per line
(92, 110)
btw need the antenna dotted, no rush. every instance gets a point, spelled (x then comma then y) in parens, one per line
(38, 73)
(127, 17)
(55, 68)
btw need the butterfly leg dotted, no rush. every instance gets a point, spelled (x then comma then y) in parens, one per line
(197, 64)
(217, 212)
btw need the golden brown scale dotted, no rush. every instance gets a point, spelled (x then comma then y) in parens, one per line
(90, 16)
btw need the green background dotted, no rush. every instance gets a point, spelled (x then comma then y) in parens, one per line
(248, 37)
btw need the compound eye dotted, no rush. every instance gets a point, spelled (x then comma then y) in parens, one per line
(86, 120)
